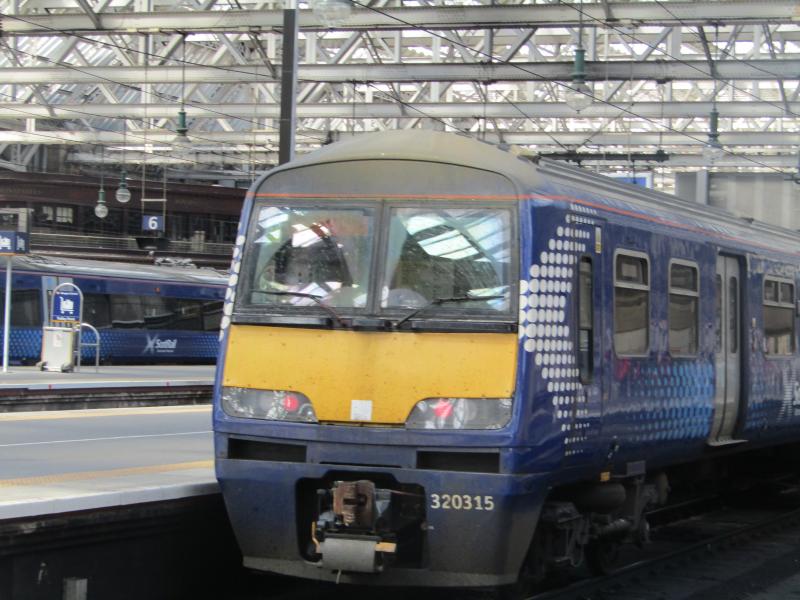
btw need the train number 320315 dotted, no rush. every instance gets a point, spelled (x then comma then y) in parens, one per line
(461, 502)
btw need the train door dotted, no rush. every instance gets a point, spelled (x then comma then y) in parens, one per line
(587, 407)
(728, 289)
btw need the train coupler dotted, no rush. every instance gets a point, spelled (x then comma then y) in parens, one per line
(354, 554)
(356, 527)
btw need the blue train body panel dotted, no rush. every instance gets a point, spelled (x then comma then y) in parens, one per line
(121, 346)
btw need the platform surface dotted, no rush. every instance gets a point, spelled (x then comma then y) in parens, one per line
(53, 462)
(121, 376)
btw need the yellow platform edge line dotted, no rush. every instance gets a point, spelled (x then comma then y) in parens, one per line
(89, 475)
(103, 412)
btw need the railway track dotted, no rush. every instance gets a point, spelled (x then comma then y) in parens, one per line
(701, 550)
(725, 554)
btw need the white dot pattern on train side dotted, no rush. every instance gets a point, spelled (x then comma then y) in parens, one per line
(233, 279)
(546, 334)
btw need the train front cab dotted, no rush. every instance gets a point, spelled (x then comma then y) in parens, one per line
(370, 433)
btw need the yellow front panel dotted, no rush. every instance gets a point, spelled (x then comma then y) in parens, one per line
(393, 370)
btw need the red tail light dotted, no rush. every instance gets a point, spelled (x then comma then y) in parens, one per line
(291, 403)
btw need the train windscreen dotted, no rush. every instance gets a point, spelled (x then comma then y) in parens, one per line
(441, 253)
(306, 254)
(380, 258)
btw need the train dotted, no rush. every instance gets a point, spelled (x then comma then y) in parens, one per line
(144, 314)
(447, 365)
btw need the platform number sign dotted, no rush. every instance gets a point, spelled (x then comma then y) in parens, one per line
(13, 242)
(152, 223)
(15, 228)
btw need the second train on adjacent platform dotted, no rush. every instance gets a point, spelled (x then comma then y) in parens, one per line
(444, 365)
(143, 313)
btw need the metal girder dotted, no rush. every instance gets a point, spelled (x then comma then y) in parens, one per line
(773, 55)
(210, 140)
(28, 154)
(452, 67)
(439, 17)
(647, 53)
(244, 157)
(409, 110)
(750, 70)
(733, 160)
(37, 92)
(12, 166)
(90, 13)
(312, 91)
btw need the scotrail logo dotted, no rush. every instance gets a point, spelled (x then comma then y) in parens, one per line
(155, 345)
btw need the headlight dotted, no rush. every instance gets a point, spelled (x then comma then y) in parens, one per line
(274, 405)
(460, 413)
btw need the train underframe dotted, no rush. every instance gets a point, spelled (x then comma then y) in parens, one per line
(384, 526)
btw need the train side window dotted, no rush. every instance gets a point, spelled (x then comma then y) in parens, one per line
(733, 314)
(158, 313)
(126, 312)
(26, 308)
(718, 316)
(779, 317)
(684, 293)
(585, 320)
(212, 315)
(188, 315)
(97, 310)
(631, 304)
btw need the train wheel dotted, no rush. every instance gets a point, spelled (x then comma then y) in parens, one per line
(533, 573)
(602, 556)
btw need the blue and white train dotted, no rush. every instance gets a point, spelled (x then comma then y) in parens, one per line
(444, 365)
(143, 313)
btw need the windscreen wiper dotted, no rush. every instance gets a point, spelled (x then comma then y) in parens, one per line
(438, 301)
(314, 297)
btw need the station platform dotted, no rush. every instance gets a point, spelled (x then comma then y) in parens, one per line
(121, 502)
(32, 378)
(58, 462)
(28, 389)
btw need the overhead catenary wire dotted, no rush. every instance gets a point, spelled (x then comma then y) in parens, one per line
(126, 133)
(303, 80)
(564, 85)
(725, 52)
(145, 92)
(306, 80)
(55, 135)
(231, 69)
(689, 64)
(160, 95)
(194, 133)
(627, 34)
(717, 81)
(523, 114)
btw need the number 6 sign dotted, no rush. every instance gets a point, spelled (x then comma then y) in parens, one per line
(152, 223)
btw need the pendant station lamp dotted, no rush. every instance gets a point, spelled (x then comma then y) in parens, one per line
(100, 209)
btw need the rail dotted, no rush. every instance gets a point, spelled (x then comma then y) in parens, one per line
(626, 583)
